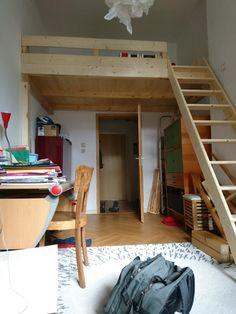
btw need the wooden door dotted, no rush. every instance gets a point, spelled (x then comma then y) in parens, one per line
(112, 167)
(140, 156)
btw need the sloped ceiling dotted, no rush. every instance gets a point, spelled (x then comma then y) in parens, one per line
(85, 18)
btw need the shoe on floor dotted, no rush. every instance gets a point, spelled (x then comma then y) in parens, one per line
(102, 207)
(115, 207)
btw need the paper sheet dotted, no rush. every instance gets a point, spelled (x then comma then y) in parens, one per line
(32, 284)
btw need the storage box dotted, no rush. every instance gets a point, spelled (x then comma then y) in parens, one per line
(48, 130)
(196, 214)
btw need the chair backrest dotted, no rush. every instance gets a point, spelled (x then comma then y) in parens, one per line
(83, 178)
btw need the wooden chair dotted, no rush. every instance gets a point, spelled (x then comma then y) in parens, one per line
(76, 218)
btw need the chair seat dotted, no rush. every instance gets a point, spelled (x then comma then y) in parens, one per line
(66, 221)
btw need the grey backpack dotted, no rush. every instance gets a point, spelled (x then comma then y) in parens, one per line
(154, 286)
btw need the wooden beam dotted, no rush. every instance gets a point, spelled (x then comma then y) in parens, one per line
(123, 105)
(41, 99)
(164, 102)
(93, 66)
(109, 107)
(133, 94)
(94, 43)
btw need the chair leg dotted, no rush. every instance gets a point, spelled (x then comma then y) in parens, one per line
(42, 241)
(79, 258)
(84, 248)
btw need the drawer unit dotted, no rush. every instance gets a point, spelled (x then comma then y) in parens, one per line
(175, 180)
(173, 135)
(175, 199)
(180, 162)
(174, 160)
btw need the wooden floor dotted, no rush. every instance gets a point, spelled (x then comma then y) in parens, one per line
(125, 228)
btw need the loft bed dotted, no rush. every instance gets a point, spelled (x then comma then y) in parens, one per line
(102, 75)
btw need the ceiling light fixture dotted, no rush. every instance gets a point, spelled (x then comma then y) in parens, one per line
(125, 10)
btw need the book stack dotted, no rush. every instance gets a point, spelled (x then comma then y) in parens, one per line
(40, 172)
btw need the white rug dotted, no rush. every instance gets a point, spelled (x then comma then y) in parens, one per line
(215, 289)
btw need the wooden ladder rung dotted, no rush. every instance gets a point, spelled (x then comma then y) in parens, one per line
(234, 218)
(208, 106)
(218, 140)
(189, 68)
(228, 187)
(201, 92)
(210, 122)
(223, 162)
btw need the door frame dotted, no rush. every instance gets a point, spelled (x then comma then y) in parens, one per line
(109, 116)
(140, 164)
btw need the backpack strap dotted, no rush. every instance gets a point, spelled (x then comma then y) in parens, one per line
(187, 290)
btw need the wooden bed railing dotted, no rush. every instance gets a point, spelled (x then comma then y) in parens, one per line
(93, 57)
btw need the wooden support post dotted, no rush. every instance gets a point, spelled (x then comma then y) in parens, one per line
(24, 110)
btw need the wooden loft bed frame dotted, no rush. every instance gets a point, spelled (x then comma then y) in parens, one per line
(66, 73)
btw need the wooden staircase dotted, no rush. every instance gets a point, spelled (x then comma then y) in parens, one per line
(193, 85)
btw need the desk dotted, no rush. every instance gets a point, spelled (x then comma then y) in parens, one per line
(26, 211)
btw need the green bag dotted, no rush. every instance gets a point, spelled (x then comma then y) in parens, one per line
(155, 286)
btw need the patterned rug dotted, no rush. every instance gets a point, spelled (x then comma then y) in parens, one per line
(215, 284)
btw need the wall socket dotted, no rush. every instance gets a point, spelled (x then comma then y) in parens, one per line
(223, 67)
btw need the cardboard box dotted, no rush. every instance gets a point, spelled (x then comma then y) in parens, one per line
(48, 130)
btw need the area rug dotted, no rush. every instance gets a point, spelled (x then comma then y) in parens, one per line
(215, 284)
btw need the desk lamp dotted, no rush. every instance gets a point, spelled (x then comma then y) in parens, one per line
(5, 118)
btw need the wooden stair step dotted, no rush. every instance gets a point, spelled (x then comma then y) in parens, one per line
(218, 140)
(223, 162)
(212, 245)
(195, 79)
(201, 92)
(228, 187)
(211, 122)
(208, 106)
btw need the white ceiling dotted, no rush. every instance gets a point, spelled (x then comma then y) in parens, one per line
(85, 18)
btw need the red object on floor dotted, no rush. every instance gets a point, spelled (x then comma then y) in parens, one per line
(169, 221)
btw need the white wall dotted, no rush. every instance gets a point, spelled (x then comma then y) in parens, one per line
(221, 24)
(172, 52)
(17, 17)
(151, 125)
(150, 151)
(80, 128)
(35, 110)
(192, 39)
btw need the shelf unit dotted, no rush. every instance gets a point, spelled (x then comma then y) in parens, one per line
(180, 162)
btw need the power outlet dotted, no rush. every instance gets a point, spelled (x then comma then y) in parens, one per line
(223, 67)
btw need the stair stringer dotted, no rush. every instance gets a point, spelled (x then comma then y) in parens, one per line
(215, 191)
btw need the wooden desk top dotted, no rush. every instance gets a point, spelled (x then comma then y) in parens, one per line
(29, 186)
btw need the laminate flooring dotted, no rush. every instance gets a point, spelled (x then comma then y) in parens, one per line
(125, 228)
